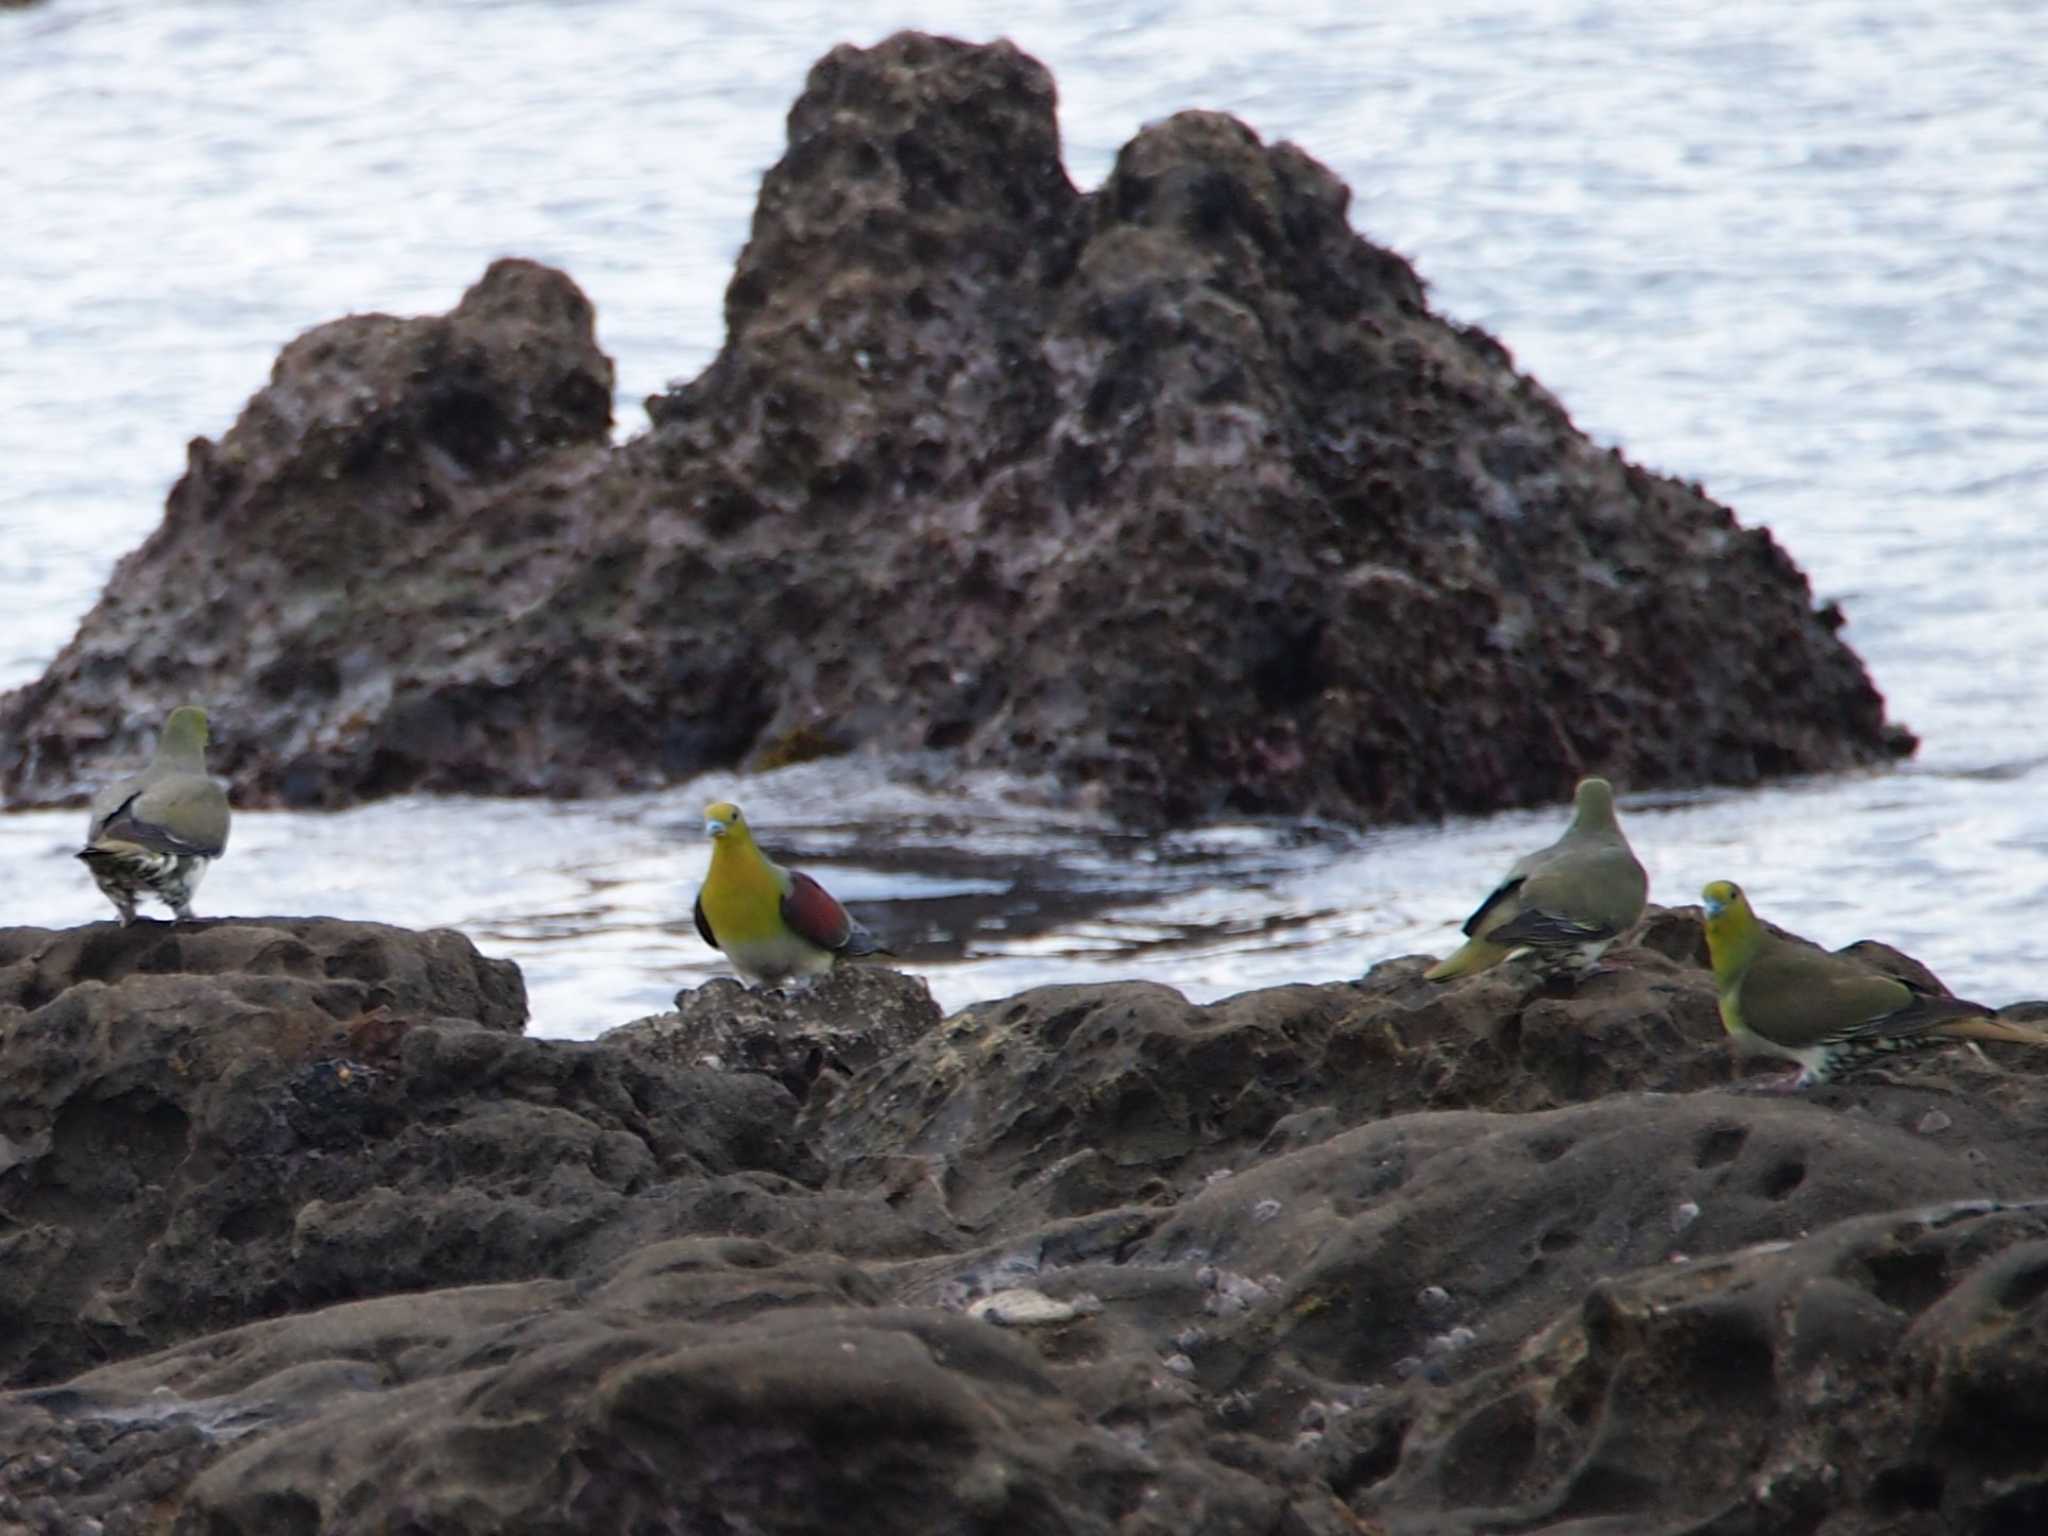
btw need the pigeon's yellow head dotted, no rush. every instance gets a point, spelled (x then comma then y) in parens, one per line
(1720, 895)
(1731, 928)
(722, 817)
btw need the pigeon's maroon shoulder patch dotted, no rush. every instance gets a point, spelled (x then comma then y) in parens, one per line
(811, 910)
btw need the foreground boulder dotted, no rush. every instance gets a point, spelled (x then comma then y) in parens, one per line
(1882, 1375)
(288, 1247)
(1176, 490)
(208, 1123)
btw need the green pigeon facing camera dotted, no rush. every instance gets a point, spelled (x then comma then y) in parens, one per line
(775, 925)
(156, 833)
(1825, 1012)
(1562, 905)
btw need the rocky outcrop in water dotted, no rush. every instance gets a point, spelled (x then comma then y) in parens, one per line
(1176, 491)
(298, 1234)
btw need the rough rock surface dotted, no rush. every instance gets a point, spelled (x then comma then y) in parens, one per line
(321, 569)
(1176, 490)
(849, 1019)
(283, 1249)
(206, 1123)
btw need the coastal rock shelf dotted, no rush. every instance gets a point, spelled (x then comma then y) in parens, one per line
(299, 1233)
(1176, 491)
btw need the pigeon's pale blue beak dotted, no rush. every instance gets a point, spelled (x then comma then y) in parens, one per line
(1716, 906)
(713, 827)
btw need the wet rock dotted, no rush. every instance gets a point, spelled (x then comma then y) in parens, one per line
(1066, 1099)
(345, 970)
(1176, 491)
(1883, 1374)
(1373, 1255)
(850, 1018)
(649, 1403)
(202, 1124)
(360, 508)
(1570, 1195)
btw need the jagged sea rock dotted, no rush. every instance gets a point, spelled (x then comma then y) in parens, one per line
(1176, 490)
(320, 569)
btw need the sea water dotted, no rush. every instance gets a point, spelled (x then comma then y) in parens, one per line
(1792, 253)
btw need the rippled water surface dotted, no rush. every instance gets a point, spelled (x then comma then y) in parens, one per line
(1793, 253)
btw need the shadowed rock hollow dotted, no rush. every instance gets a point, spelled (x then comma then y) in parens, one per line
(298, 1234)
(1176, 490)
